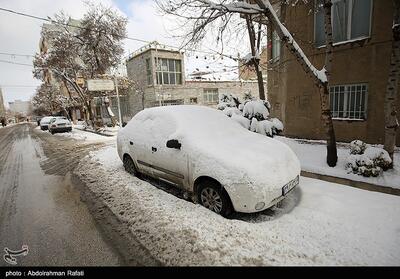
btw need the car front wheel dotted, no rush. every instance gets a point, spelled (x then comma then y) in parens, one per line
(212, 196)
(129, 165)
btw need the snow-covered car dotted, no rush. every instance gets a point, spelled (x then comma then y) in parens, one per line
(60, 125)
(44, 122)
(215, 160)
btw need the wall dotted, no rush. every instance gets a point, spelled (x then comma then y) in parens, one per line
(296, 100)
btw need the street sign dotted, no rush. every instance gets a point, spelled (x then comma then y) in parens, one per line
(100, 85)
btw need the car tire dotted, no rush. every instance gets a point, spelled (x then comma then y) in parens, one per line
(212, 196)
(129, 165)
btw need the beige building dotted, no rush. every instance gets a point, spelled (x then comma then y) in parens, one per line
(361, 58)
(160, 73)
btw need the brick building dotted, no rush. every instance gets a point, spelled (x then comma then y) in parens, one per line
(362, 32)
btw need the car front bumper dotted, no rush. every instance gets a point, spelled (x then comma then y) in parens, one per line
(247, 199)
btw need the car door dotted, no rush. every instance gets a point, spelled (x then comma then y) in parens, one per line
(139, 142)
(169, 164)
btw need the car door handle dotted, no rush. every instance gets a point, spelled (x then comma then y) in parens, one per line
(153, 149)
(131, 143)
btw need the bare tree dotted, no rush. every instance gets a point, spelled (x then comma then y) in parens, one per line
(82, 50)
(391, 121)
(199, 14)
(255, 44)
(225, 25)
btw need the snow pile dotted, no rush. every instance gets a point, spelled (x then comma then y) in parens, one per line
(80, 135)
(312, 227)
(243, 121)
(251, 114)
(367, 161)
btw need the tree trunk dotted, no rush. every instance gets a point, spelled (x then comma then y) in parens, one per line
(326, 115)
(256, 62)
(323, 86)
(391, 121)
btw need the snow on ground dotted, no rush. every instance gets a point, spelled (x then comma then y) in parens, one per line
(312, 156)
(319, 223)
(81, 135)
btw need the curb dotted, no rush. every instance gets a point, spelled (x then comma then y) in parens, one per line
(352, 183)
(93, 132)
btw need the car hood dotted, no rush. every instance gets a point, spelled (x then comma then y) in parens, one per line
(248, 158)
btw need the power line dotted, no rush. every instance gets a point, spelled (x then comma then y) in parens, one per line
(15, 86)
(16, 54)
(15, 63)
(124, 37)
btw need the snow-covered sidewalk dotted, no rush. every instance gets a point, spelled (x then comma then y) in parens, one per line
(319, 223)
(312, 156)
(81, 135)
(105, 131)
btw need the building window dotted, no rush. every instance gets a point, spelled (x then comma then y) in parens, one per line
(349, 101)
(172, 102)
(169, 71)
(193, 100)
(276, 47)
(210, 96)
(148, 72)
(351, 20)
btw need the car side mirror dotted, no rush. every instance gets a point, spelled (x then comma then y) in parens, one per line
(174, 144)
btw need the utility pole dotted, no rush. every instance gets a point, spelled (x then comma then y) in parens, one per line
(119, 106)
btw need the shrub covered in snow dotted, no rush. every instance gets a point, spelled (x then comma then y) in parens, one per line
(367, 160)
(247, 97)
(357, 147)
(227, 101)
(257, 109)
(252, 114)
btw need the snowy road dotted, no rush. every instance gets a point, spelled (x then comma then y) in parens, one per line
(40, 207)
(320, 223)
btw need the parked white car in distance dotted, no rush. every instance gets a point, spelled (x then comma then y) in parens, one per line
(221, 164)
(44, 122)
(59, 124)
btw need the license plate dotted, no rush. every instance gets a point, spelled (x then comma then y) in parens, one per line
(61, 124)
(289, 186)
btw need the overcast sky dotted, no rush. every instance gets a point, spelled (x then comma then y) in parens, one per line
(20, 35)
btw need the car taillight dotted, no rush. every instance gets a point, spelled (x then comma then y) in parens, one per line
(53, 126)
